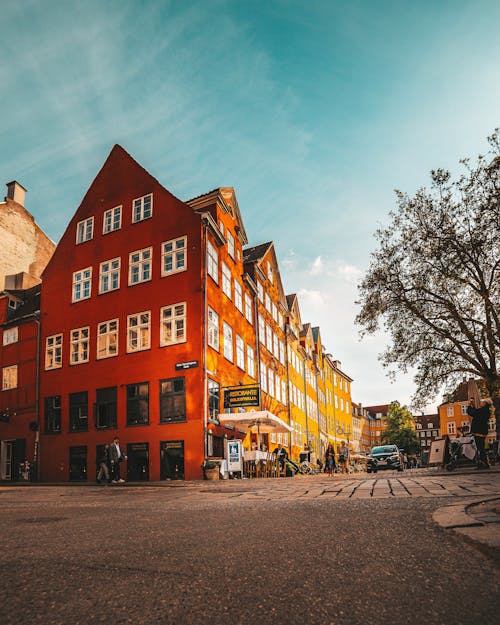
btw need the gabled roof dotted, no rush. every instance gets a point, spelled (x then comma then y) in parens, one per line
(256, 253)
(290, 299)
(226, 198)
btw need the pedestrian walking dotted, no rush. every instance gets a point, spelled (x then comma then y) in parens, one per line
(330, 463)
(344, 457)
(104, 464)
(116, 457)
(479, 429)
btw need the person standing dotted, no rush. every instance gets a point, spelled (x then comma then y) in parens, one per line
(344, 457)
(479, 429)
(330, 460)
(104, 464)
(116, 457)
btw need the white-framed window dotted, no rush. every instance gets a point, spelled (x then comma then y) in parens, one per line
(276, 348)
(173, 324)
(342, 404)
(492, 424)
(419, 426)
(53, 351)
(140, 265)
(139, 331)
(268, 302)
(347, 407)
(228, 341)
(281, 321)
(451, 427)
(263, 377)
(260, 291)
(250, 361)
(82, 284)
(449, 411)
(270, 272)
(109, 275)
(248, 308)
(213, 328)
(230, 244)
(283, 392)
(84, 230)
(282, 352)
(277, 388)
(212, 262)
(430, 426)
(142, 208)
(174, 256)
(240, 352)
(11, 335)
(262, 331)
(269, 338)
(270, 382)
(107, 339)
(226, 280)
(336, 401)
(238, 296)
(112, 220)
(464, 408)
(79, 345)
(274, 311)
(9, 377)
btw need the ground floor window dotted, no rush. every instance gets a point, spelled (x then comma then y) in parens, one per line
(78, 463)
(172, 460)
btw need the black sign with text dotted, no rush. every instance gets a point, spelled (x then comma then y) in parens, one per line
(241, 396)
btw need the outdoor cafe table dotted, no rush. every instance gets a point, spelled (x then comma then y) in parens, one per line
(260, 463)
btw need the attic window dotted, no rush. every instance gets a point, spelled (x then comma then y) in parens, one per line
(13, 304)
(270, 272)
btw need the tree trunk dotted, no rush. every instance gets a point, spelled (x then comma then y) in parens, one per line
(493, 386)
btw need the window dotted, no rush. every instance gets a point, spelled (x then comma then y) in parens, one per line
(213, 328)
(228, 341)
(213, 399)
(173, 324)
(282, 352)
(430, 426)
(222, 228)
(263, 377)
(142, 208)
(464, 408)
(226, 280)
(10, 336)
(248, 308)
(107, 339)
(78, 412)
(260, 291)
(172, 400)
(451, 427)
(250, 361)
(283, 392)
(105, 408)
(449, 411)
(212, 262)
(269, 338)
(53, 414)
(112, 220)
(262, 332)
(79, 345)
(140, 266)
(9, 377)
(53, 351)
(270, 273)
(274, 312)
(109, 275)
(419, 426)
(174, 256)
(138, 331)
(84, 230)
(270, 382)
(240, 352)
(276, 350)
(82, 283)
(138, 404)
(238, 296)
(268, 303)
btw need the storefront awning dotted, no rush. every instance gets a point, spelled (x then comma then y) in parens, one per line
(262, 422)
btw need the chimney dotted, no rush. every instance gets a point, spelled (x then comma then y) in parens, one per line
(16, 192)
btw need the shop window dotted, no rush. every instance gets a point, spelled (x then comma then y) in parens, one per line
(172, 400)
(105, 408)
(78, 412)
(213, 399)
(138, 404)
(172, 460)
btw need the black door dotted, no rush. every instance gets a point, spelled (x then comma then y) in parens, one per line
(138, 462)
(172, 460)
(78, 463)
(18, 458)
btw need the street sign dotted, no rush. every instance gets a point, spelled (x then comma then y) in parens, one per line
(241, 396)
(191, 364)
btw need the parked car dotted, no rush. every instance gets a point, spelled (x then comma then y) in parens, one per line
(384, 457)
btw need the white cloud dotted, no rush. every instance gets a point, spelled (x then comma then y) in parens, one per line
(317, 266)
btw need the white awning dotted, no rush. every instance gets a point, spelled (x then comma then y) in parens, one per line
(261, 421)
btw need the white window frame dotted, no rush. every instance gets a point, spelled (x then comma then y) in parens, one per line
(226, 280)
(248, 308)
(238, 296)
(451, 428)
(109, 274)
(260, 291)
(449, 411)
(9, 377)
(228, 341)
(140, 266)
(173, 324)
(240, 352)
(213, 332)
(270, 382)
(212, 262)
(464, 409)
(112, 220)
(282, 352)
(82, 280)
(140, 210)
(141, 328)
(251, 361)
(230, 243)
(269, 338)
(107, 339)
(267, 302)
(53, 352)
(270, 272)
(276, 347)
(84, 230)
(174, 252)
(262, 330)
(10, 335)
(79, 345)
(274, 311)
(263, 377)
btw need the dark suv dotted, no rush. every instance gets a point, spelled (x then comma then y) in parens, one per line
(384, 457)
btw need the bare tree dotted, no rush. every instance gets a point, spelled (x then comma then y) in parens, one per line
(434, 281)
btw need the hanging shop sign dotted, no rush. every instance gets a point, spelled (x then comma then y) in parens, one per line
(241, 396)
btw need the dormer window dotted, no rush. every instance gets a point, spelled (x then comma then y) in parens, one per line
(84, 230)
(142, 208)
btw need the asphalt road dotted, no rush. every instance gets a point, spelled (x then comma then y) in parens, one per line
(217, 554)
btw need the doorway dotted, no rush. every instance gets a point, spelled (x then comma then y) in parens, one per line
(12, 459)
(78, 463)
(172, 460)
(138, 462)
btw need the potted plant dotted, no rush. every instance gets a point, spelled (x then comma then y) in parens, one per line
(211, 469)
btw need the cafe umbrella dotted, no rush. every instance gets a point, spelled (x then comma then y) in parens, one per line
(260, 422)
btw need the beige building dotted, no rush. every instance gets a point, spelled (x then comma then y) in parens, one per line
(26, 249)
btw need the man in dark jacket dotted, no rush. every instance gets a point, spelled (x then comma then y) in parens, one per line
(116, 457)
(479, 430)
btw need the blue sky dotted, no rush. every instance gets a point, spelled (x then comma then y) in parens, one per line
(314, 111)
